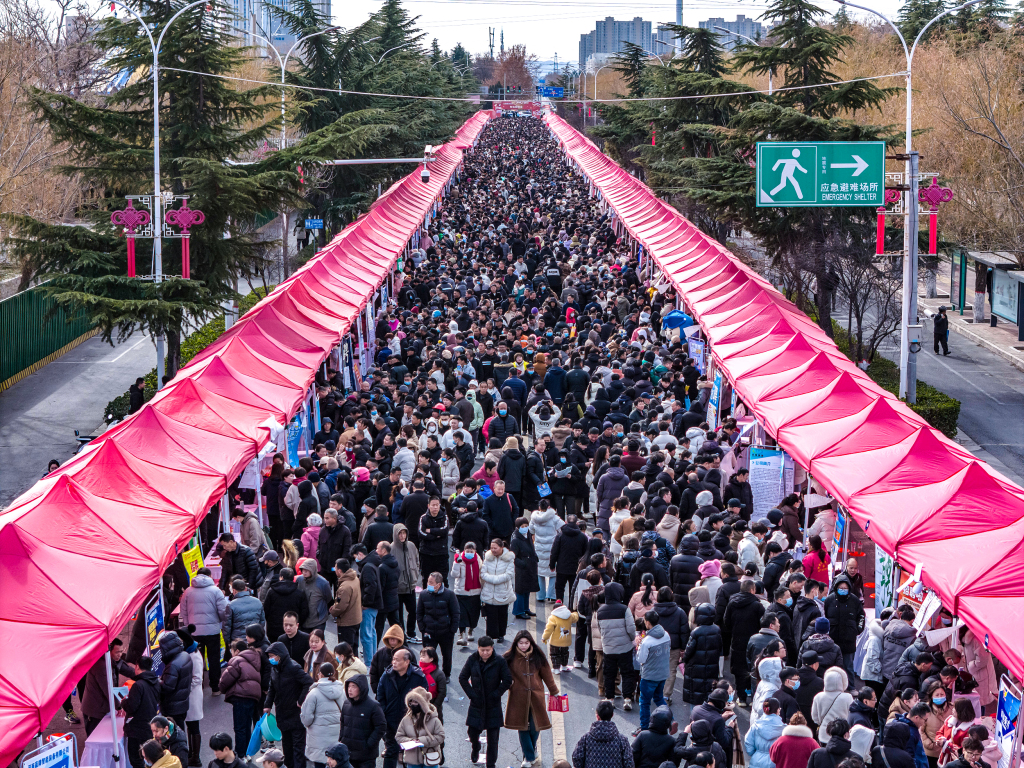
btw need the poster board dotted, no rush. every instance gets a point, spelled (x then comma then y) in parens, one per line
(695, 349)
(714, 400)
(838, 540)
(192, 557)
(767, 470)
(154, 626)
(885, 586)
(1007, 720)
(1004, 295)
(58, 753)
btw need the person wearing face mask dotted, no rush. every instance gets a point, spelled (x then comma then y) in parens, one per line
(940, 708)
(395, 684)
(782, 607)
(503, 425)
(789, 679)
(845, 613)
(422, 725)
(289, 685)
(526, 569)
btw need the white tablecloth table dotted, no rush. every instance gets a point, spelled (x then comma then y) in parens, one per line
(99, 748)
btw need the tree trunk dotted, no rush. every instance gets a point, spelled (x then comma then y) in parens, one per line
(980, 288)
(823, 304)
(930, 275)
(173, 360)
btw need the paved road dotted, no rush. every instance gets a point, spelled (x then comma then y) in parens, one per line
(990, 391)
(40, 413)
(583, 697)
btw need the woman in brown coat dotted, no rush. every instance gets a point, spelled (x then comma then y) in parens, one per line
(527, 708)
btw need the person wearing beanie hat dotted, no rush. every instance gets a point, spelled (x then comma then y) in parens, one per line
(827, 651)
(711, 577)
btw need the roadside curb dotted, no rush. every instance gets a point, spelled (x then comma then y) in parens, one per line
(1013, 357)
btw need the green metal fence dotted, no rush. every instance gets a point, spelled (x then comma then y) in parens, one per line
(28, 340)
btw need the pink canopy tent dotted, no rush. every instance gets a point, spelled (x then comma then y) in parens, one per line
(81, 549)
(916, 493)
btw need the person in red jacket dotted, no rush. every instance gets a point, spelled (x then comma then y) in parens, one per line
(793, 748)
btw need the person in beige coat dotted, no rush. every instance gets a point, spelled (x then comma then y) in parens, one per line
(979, 663)
(421, 724)
(497, 593)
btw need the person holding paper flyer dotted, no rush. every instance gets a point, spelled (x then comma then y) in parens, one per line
(420, 735)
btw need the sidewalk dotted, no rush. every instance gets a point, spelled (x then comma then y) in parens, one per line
(1002, 339)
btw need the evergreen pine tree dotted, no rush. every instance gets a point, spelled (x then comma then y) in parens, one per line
(203, 121)
(701, 51)
(805, 52)
(631, 63)
(841, 20)
(915, 14)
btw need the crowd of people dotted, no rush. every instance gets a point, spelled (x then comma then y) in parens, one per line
(528, 432)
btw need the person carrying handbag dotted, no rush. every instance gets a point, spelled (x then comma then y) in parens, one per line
(420, 725)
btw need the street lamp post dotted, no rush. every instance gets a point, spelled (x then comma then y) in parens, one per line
(157, 217)
(909, 346)
(754, 42)
(595, 93)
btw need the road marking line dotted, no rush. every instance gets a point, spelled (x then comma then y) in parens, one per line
(973, 384)
(144, 340)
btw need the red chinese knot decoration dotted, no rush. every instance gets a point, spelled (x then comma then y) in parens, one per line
(130, 219)
(184, 218)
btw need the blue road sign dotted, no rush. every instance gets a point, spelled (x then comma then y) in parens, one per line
(314, 223)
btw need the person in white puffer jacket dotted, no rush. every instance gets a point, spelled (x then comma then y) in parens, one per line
(497, 579)
(544, 525)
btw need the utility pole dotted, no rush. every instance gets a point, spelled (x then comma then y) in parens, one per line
(490, 44)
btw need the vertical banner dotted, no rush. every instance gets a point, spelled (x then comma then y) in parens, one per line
(317, 422)
(695, 349)
(713, 400)
(767, 470)
(371, 337)
(347, 371)
(293, 437)
(838, 540)
(192, 557)
(1007, 718)
(885, 587)
(154, 626)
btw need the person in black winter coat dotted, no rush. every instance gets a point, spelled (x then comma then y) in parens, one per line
(684, 570)
(176, 679)
(655, 745)
(810, 684)
(471, 527)
(389, 574)
(805, 612)
(776, 565)
(862, 710)
(500, 511)
(706, 550)
(400, 678)
(821, 643)
(730, 586)
(570, 545)
(895, 743)
(845, 614)
(485, 677)
(907, 675)
(381, 529)
(512, 469)
(784, 613)
(837, 749)
(284, 595)
(526, 563)
(308, 505)
(742, 621)
(647, 563)
(369, 578)
(433, 547)
(141, 705)
(785, 695)
(714, 712)
(701, 657)
(289, 685)
(362, 723)
(334, 543)
(701, 740)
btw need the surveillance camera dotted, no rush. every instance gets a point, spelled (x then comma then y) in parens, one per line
(425, 175)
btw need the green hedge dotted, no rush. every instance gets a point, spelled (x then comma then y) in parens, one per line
(193, 344)
(937, 408)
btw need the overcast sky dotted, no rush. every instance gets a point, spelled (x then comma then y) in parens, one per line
(547, 27)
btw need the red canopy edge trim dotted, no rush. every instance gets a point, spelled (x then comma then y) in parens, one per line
(402, 212)
(620, 190)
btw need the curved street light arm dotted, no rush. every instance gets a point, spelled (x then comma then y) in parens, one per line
(167, 26)
(389, 50)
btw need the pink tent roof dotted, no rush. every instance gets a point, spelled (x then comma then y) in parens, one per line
(82, 548)
(915, 492)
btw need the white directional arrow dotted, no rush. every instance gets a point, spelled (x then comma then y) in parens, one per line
(860, 165)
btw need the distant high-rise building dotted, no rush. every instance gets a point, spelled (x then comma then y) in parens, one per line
(742, 26)
(665, 41)
(609, 36)
(257, 17)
